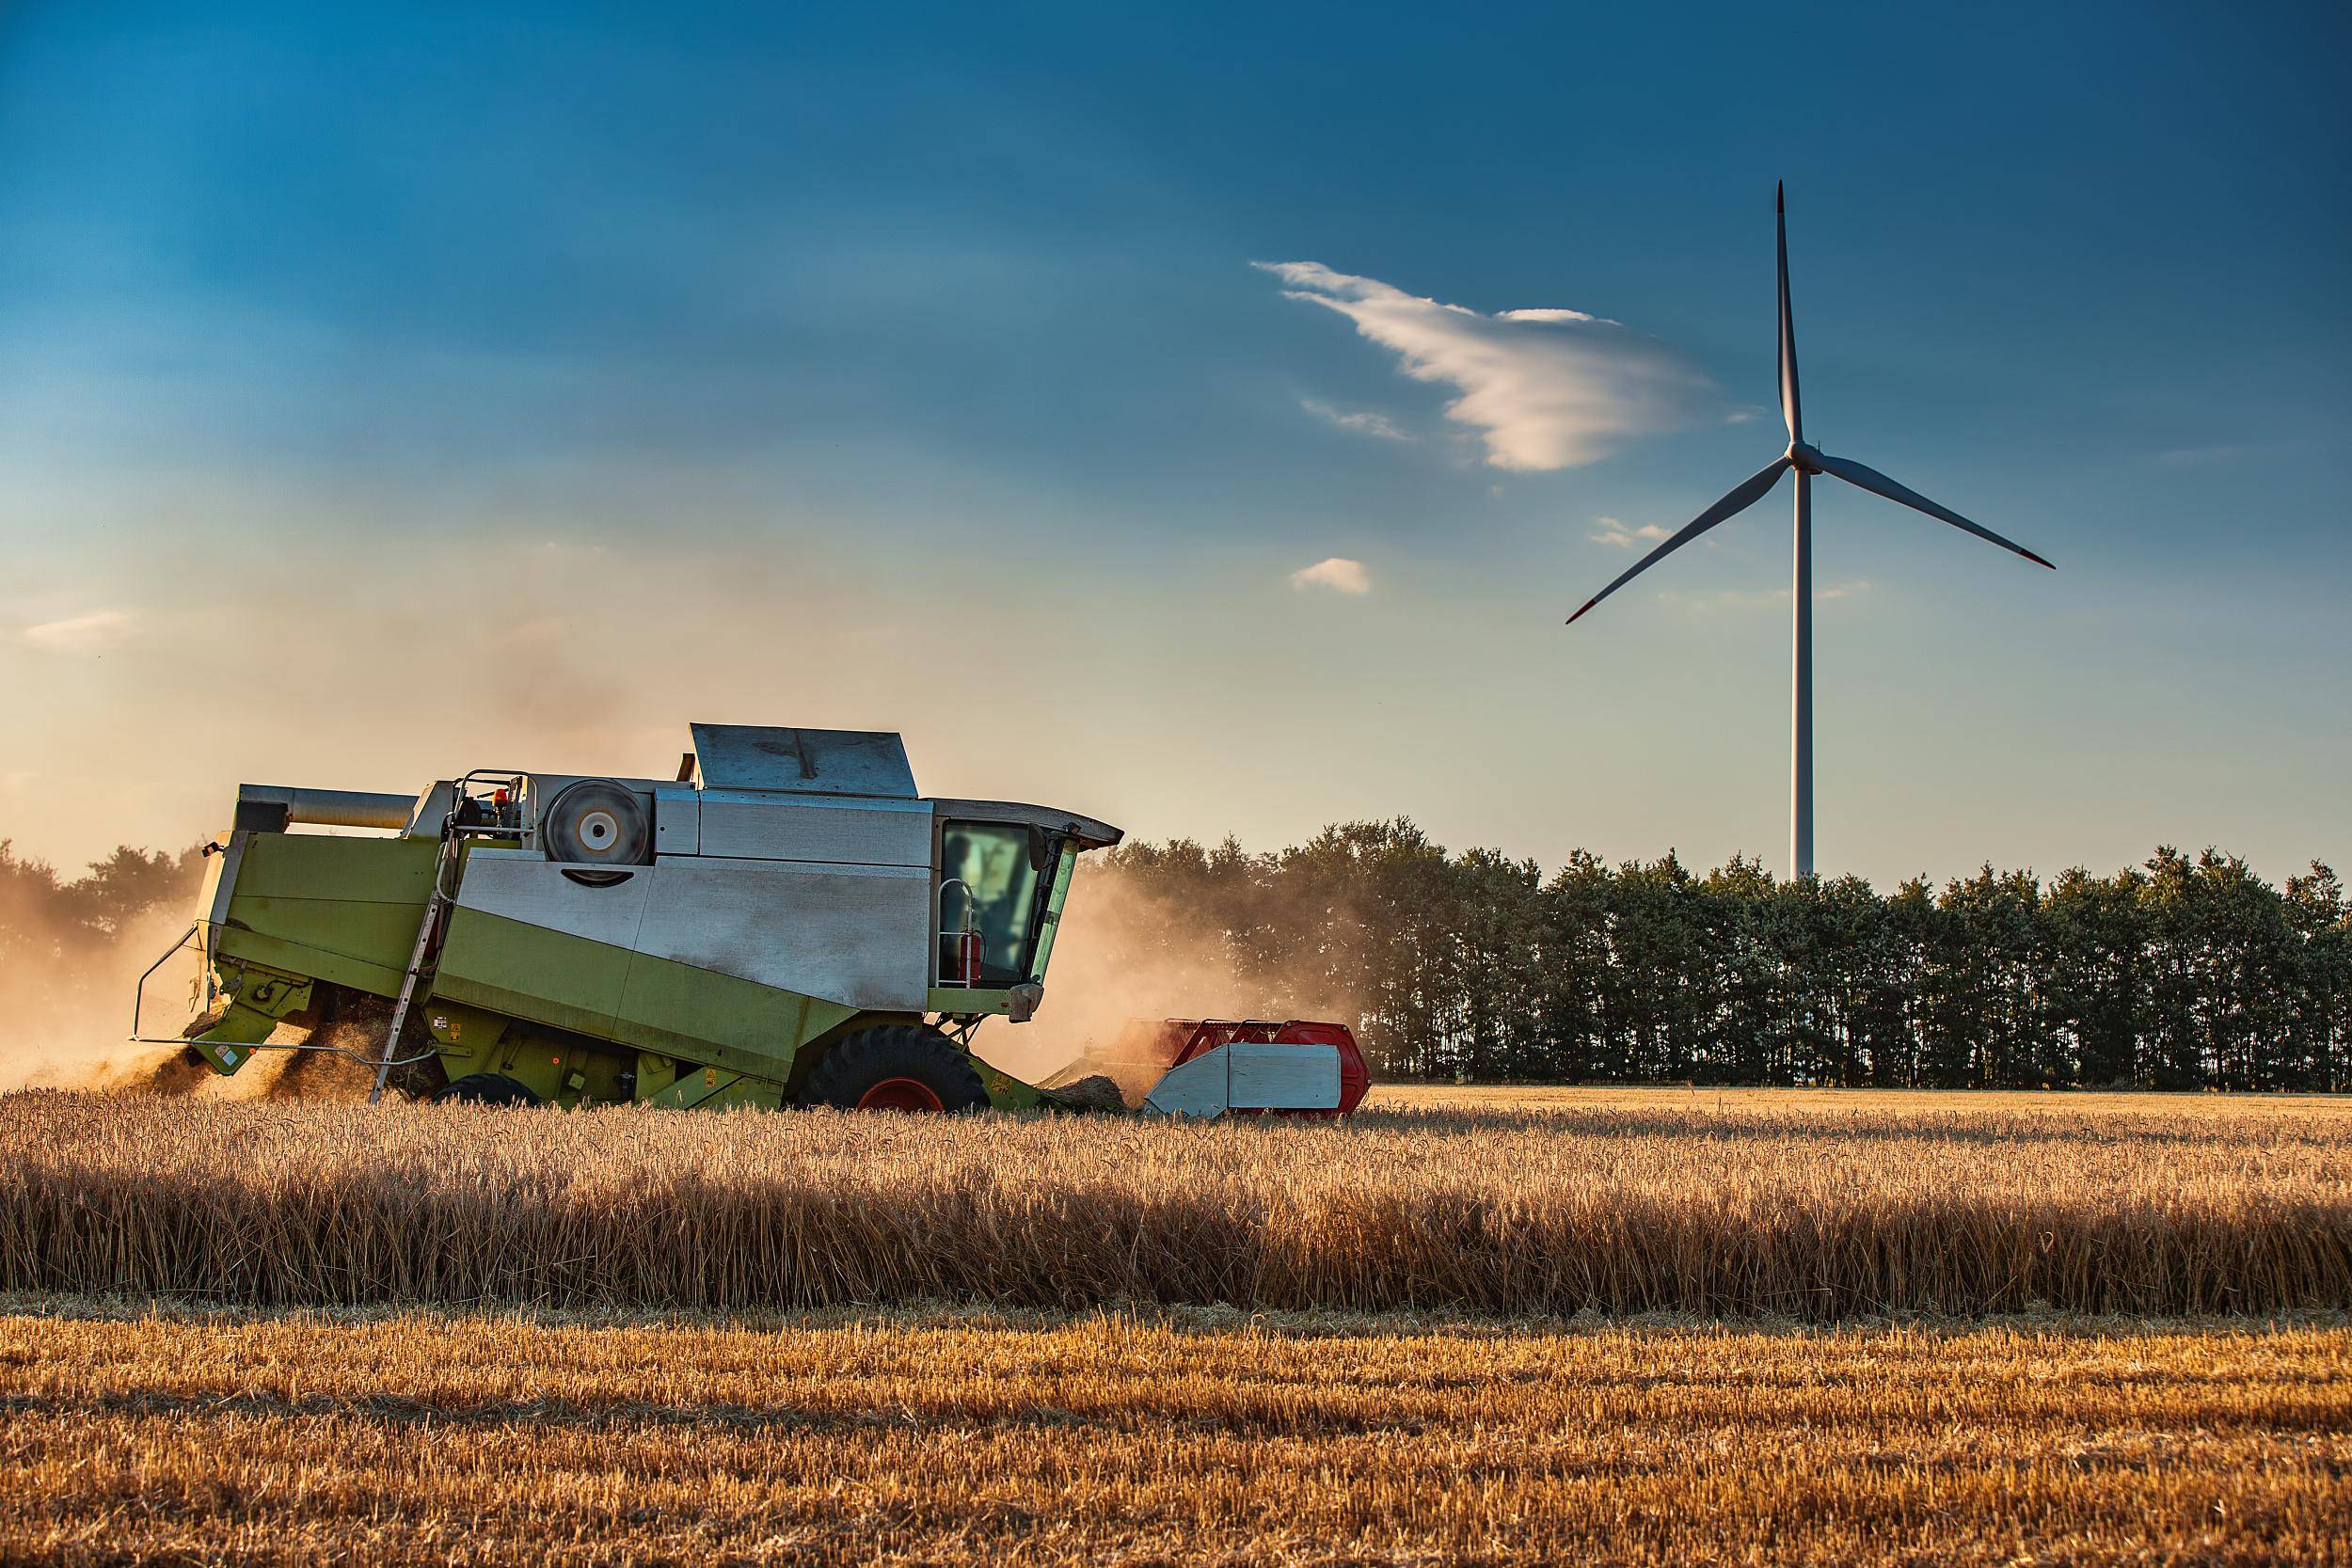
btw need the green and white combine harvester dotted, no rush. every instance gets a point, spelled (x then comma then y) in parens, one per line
(787, 922)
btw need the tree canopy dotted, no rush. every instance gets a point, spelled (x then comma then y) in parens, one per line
(2184, 973)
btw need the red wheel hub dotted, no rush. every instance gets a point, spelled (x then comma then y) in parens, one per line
(900, 1094)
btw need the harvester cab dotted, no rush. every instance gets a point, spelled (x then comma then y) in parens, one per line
(787, 920)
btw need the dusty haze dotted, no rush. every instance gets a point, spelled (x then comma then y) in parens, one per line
(1127, 953)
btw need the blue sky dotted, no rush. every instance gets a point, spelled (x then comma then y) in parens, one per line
(900, 367)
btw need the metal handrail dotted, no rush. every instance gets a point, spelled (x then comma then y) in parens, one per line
(138, 993)
(138, 1007)
(966, 930)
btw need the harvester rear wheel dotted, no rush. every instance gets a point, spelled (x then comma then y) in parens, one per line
(486, 1088)
(896, 1067)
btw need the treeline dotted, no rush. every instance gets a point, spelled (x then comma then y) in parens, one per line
(2185, 972)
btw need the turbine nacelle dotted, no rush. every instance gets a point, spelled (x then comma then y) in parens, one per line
(1805, 459)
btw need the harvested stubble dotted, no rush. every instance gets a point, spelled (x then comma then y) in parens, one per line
(469, 1440)
(2176, 1208)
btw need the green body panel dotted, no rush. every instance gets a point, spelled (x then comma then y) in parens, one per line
(965, 1001)
(222, 1045)
(531, 971)
(1049, 922)
(1005, 1092)
(253, 1002)
(678, 1008)
(462, 1032)
(559, 1071)
(714, 1088)
(279, 915)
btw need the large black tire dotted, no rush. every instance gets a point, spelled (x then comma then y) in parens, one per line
(486, 1088)
(894, 1067)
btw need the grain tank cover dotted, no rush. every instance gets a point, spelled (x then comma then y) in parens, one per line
(803, 762)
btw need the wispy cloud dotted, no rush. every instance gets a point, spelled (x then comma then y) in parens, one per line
(1336, 575)
(1615, 532)
(1362, 421)
(1546, 389)
(91, 632)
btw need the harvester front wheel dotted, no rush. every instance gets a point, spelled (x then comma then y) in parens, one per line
(896, 1067)
(484, 1088)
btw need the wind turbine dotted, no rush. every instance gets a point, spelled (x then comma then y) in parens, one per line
(1808, 461)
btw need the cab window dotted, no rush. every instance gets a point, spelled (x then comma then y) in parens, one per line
(993, 860)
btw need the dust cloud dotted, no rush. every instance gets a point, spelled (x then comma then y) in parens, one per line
(63, 1025)
(65, 1004)
(72, 955)
(1126, 958)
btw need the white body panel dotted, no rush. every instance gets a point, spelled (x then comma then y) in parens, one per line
(1249, 1076)
(528, 887)
(859, 935)
(747, 825)
(677, 820)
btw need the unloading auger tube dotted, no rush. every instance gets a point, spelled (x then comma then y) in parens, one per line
(786, 921)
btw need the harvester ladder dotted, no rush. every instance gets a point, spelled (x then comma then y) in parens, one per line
(419, 958)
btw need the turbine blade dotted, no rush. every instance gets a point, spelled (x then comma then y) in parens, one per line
(1745, 495)
(1878, 484)
(1791, 412)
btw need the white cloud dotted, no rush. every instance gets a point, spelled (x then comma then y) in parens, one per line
(1615, 532)
(1363, 422)
(1546, 389)
(81, 634)
(1339, 575)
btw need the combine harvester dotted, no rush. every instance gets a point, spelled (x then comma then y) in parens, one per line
(786, 922)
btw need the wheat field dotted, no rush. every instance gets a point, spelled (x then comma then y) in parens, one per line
(1800, 1208)
(1188, 1437)
(1470, 1326)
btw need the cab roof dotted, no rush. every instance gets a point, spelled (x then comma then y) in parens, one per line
(802, 762)
(871, 764)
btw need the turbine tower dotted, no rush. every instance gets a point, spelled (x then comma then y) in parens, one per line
(1807, 461)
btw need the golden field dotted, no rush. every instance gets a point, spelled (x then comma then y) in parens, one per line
(1473, 1326)
(1190, 1437)
(1804, 1205)
(2145, 1108)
